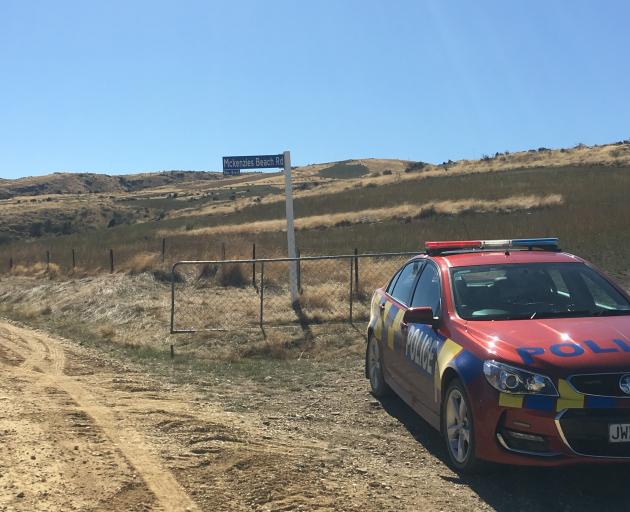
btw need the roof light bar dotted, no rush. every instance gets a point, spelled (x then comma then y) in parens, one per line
(461, 244)
(519, 243)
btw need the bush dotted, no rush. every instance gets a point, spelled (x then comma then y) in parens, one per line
(207, 272)
(415, 166)
(142, 262)
(162, 276)
(231, 275)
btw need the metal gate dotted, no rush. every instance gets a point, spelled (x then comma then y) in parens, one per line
(245, 294)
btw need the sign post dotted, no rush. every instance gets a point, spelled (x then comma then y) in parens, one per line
(288, 193)
(233, 165)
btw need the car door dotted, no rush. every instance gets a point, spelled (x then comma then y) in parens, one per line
(392, 309)
(421, 341)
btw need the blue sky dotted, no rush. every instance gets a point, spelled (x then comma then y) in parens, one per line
(130, 86)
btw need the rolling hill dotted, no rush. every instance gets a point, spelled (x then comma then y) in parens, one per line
(578, 193)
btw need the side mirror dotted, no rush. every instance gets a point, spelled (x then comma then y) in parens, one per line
(421, 315)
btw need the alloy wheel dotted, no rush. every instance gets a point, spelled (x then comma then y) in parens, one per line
(458, 427)
(374, 365)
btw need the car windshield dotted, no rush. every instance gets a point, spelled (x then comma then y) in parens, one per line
(534, 290)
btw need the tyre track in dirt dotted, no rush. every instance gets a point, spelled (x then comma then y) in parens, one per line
(224, 461)
(42, 365)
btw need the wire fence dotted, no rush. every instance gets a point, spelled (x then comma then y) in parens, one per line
(247, 294)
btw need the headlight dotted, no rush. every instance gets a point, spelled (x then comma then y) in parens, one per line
(509, 379)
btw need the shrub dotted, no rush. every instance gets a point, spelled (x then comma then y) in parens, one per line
(415, 166)
(231, 275)
(163, 276)
(142, 262)
(107, 331)
(207, 272)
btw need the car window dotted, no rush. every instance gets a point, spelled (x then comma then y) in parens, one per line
(404, 285)
(537, 290)
(605, 296)
(427, 291)
(392, 283)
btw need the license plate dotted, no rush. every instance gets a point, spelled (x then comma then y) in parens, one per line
(619, 433)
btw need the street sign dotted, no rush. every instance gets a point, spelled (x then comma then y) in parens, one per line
(236, 163)
(252, 162)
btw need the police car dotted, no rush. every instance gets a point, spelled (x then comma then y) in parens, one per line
(515, 351)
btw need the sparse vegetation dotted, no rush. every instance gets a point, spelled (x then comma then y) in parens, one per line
(371, 212)
(344, 170)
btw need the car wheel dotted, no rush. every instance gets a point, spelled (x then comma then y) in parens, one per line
(374, 368)
(458, 428)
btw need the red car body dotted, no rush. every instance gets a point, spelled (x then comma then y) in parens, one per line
(419, 361)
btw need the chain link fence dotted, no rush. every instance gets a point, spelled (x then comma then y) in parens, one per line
(241, 294)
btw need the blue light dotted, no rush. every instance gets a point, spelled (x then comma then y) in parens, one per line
(538, 242)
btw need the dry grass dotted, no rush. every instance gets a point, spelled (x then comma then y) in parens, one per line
(142, 262)
(609, 155)
(401, 212)
(132, 312)
(357, 212)
(37, 270)
(107, 331)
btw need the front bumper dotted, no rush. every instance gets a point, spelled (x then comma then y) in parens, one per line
(546, 437)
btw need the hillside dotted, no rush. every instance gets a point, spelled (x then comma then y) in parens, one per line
(579, 194)
(91, 183)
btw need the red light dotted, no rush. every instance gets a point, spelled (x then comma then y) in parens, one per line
(458, 244)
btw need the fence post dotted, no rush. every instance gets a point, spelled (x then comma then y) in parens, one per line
(350, 298)
(173, 300)
(356, 269)
(262, 291)
(223, 250)
(47, 260)
(254, 265)
(111, 261)
(74, 259)
(299, 270)
(163, 249)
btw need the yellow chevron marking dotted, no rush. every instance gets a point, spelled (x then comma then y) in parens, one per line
(569, 397)
(393, 328)
(510, 400)
(388, 306)
(378, 329)
(448, 351)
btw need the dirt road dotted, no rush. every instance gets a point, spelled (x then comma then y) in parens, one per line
(81, 432)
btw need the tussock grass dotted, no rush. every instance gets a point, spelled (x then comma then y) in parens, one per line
(142, 262)
(401, 212)
(590, 220)
(51, 270)
(231, 275)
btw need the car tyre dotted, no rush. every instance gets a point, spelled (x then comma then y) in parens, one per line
(374, 369)
(458, 429)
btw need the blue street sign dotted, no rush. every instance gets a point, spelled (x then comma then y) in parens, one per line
(253, 162)
(231, 172)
